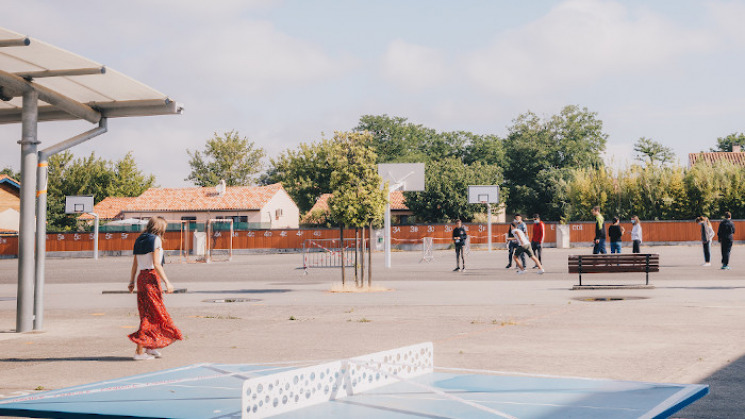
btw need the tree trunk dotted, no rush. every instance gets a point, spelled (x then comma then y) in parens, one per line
(341, 251)
(362, 258)
(356, 253)
(369, 259)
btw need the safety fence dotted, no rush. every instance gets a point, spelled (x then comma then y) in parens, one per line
(327, 253)
(403, 236)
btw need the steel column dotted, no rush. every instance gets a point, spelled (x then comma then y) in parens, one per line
(25, 300)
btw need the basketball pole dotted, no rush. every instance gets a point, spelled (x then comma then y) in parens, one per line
(488, 228)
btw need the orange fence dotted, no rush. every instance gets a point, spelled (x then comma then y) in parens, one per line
(292, 239)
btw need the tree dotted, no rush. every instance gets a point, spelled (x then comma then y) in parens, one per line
(228, 157)
(12, 173)
(357, 198)
(726, 143)
(446, 195)
(652, 152)
(304, 172)
(572, 139)
(89, 176)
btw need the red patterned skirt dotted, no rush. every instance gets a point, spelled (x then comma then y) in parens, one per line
(156, 325)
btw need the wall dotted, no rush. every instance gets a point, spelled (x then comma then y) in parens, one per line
(658, 232)
(290, 217)
(9, 198)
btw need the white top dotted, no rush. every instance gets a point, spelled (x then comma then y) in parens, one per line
(636, 232)
(146, 261)
(522, 238)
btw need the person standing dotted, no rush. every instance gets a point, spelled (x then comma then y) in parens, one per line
(726, 234)
(707, 235)
(536, 242)
(599, 240)
(459, 240)
(157, 329)
(636, 234)
(615, 231)
(523, 248)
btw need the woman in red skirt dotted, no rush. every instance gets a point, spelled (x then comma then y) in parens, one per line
(156, 325)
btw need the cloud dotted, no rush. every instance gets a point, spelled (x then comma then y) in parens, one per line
(413, 66)
(728, 18)
(579, 42)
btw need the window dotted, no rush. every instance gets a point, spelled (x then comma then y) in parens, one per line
(277, 213)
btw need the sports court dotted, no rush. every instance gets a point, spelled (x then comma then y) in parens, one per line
(261, 310)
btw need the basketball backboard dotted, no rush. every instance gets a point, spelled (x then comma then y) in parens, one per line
(403, 176)
(483, 194)
(78, 204)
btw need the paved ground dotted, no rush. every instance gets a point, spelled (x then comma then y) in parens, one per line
(689, 329)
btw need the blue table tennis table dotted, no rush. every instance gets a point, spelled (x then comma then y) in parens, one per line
(376, 391)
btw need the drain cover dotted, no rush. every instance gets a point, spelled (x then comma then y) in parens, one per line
(231, 300)
(614, 298)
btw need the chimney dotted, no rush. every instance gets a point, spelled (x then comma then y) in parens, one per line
(736, 149)
(221, 187)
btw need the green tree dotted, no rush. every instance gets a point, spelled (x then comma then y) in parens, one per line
(304, 172)
(572, 139)
(726, 143)
(89, 176)
(445, 197)
(10, 172)
(652, 152)
(357, 198)
(226, 157)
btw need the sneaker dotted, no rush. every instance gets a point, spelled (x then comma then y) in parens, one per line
(154, 352)
(508, 266)
(463, 269)
(456, 269)
(706, 264)
(725, 267)
(521, 271)
(535, 267)
(143, 357)
(541, 271)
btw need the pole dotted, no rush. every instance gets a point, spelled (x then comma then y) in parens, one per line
(488, 222)
(387, 243)
(26, 234)
(41, 240)
(369, 257)
(95, 236)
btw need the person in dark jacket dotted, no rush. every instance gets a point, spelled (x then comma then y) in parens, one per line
(599, 232)
(459, 240)
(615, 232)
(726, 234)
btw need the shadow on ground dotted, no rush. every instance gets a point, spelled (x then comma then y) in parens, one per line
(725, 398)
(71, 358)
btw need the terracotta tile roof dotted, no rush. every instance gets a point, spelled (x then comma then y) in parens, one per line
(109, 208)
(204, 199)
(737, 158)
(397, 202)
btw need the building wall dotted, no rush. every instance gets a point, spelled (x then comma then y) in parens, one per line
(290, 214)
(9, 219)
(202, 216)
(9, 198)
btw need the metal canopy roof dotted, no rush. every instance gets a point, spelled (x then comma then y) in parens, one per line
(78, 87)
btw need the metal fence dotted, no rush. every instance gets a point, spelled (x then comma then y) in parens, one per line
(326, 253)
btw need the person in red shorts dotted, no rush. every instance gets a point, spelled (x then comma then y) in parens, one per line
(536, 242)
(157, 329)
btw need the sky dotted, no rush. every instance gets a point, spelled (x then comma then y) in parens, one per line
(283, 72)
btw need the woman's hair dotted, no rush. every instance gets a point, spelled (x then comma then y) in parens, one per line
(636, 217)
(157, 226)
(615, 220)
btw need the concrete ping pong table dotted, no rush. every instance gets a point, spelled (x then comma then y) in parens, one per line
(400, 383)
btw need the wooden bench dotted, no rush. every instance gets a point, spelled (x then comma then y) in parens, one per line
(614, 263)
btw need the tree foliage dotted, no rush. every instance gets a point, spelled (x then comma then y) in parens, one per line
(536, 148)
(357, 197)
(226, 157)
(304, 172)
(12, 173)
(652, 152)
(445, 197)
(89, 176)
(726, 143)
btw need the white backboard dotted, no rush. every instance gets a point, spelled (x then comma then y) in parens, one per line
(403, 176)
(78, 204)
(482, 194)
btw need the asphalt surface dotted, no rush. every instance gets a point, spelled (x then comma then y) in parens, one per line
(262, 308)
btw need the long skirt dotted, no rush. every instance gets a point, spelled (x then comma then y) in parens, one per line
(156, 325)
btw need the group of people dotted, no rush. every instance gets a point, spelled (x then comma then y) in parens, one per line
(521, 247)
(615, 234)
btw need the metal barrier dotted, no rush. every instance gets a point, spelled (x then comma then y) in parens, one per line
(326, 253)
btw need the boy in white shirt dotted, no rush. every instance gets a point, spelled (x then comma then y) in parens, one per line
(523, 246)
